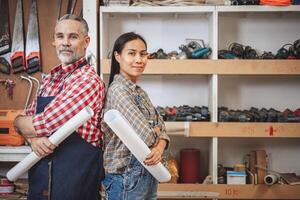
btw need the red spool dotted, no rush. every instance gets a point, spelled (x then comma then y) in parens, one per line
(6, 187)
(190, 165)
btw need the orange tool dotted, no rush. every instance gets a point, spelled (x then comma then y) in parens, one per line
(8, 135)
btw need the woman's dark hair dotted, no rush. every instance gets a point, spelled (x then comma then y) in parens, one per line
(118, 47)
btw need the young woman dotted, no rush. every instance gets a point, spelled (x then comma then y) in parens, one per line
(126, 178)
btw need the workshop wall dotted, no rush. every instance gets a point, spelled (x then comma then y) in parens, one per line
(47, 15)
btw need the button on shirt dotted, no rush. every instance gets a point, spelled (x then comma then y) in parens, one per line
(135, 105)
(81, 87)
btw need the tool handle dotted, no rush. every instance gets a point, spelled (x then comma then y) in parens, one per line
(4, 66)
(201, 52)
(33, 62)
(4, 46)
(18, 62)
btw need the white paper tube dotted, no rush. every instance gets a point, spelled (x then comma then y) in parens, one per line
(270, 179)
(56, 138)
(134, 143)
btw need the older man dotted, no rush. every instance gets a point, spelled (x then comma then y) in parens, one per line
(71, 171)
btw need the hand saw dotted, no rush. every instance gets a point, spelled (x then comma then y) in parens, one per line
(5, 42)
(58, 9)
(33, 62)
(5, 63)
(4, 28)
(71, 6)
(17, 50)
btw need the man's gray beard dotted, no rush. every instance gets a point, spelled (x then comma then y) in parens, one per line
(68, 60)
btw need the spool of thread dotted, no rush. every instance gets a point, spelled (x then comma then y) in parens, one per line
(190, 165)
(6, 187)
(270, 179)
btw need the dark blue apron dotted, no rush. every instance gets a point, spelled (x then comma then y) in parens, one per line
(72, 172)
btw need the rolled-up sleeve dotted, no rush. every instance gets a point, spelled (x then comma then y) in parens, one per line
(65, 105)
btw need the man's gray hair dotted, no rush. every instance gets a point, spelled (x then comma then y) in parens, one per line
(84, 24)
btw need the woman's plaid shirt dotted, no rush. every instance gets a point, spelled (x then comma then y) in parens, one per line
(135, 105)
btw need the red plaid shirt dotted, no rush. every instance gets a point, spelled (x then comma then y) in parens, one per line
(81, 88)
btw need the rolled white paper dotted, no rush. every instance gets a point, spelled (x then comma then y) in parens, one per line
(56, 138)
(134, 143)
(270, 179)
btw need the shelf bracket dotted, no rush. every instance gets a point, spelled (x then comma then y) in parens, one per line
(186, 129)
(175, 15)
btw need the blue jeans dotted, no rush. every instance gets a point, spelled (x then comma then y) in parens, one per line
(135, 184)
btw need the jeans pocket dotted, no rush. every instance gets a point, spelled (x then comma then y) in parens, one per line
(132, 179)
(107, 183)
(113, 186)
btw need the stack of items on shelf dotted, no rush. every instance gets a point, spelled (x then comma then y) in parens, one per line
(258, 115)
(260, 174)
(13, 191)
(232, 175)
(241, 2)
(167, 2)
(237, 176)
(198, 2)
(116, 2)
(240, 51)
(290, 178)
(184, 113)
(192, 50)
(255, 171)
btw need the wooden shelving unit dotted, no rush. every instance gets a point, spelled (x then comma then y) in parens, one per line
(218, 26)
(221, 67)
(221, 191)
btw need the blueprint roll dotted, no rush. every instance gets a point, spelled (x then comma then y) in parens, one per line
(134, 143)
(56, 138)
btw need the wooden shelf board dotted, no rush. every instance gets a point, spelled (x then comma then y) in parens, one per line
(177, 128)
(222, 191)
(222, 67)
(258, 8)
(156, 9)
(234, 129)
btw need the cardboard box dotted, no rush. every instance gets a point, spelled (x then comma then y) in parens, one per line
(234, 177)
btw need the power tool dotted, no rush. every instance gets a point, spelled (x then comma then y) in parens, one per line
(8, 135)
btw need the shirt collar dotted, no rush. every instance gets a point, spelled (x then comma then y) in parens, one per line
(59, 69)
(121, 79)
